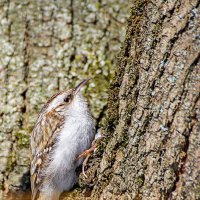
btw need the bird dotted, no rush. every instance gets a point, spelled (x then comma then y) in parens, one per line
(64, 130)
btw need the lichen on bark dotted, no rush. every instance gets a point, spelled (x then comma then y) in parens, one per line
(48, 46)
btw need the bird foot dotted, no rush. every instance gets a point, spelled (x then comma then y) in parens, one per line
(86, 154)
(89, 151)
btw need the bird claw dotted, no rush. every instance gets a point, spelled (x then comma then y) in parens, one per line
(83, 172)
(87, 154)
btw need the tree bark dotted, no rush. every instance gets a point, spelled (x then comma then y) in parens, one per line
(152, 130)
(46, 46)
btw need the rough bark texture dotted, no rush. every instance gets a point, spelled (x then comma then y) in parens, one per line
(46, 46)
(153, 130)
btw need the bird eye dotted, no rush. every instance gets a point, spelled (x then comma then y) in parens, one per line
(67, 99)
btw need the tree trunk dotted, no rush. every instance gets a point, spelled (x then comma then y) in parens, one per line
(46, 46)
(153, 137)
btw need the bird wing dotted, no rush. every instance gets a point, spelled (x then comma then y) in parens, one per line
(43, 138)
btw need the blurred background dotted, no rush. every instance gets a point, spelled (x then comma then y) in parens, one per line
(47, 46)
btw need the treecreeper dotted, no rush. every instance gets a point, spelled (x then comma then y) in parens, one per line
(62, 136)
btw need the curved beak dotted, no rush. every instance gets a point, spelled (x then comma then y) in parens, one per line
(80, 85)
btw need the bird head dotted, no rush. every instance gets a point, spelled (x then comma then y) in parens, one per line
(68, 100)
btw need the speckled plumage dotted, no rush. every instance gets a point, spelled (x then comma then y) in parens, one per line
(64, 129)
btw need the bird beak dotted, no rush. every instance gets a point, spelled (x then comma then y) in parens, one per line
(80, 85)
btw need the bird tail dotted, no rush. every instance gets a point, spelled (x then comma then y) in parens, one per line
(34, 187)
(35, 193)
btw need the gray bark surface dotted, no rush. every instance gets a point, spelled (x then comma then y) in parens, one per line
(152, 130)
(46, 46)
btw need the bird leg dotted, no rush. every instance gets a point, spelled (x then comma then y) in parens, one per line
(86, 154)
